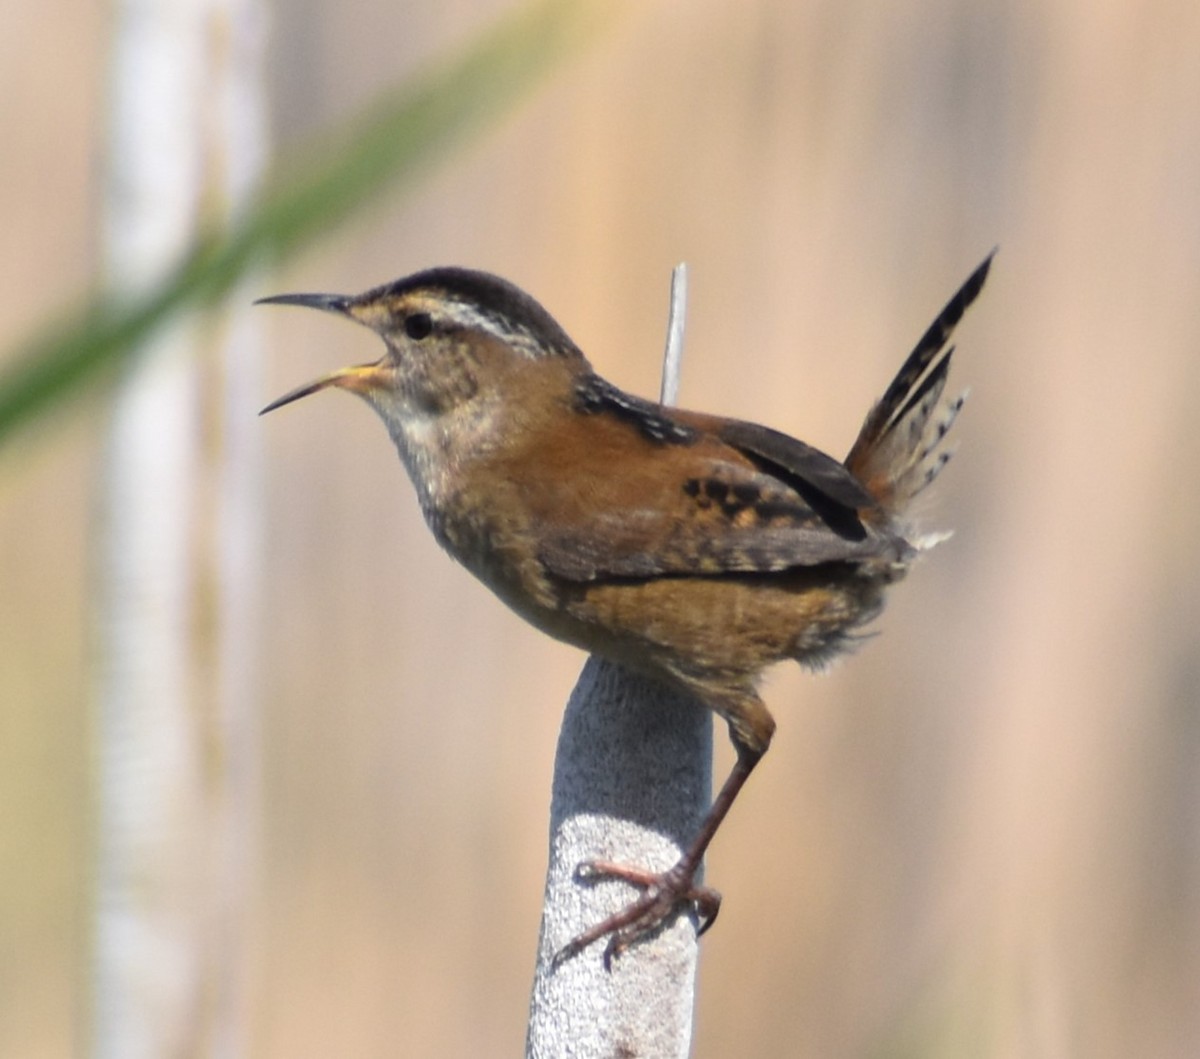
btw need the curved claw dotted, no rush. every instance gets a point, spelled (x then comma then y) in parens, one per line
(708, 904)
(665, 895)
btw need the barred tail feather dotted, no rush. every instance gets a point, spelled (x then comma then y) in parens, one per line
(901, 447)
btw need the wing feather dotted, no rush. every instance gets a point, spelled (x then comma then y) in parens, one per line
(752, 501)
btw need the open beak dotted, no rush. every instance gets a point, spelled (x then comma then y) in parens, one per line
(363, 379)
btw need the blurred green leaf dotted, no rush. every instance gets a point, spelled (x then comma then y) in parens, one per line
(400, 137)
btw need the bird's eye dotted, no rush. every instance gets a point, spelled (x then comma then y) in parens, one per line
(418, 326)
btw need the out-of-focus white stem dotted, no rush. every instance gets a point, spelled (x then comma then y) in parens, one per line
(146, 967)
(172, 693)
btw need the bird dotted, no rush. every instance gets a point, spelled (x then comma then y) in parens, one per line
(692, 548)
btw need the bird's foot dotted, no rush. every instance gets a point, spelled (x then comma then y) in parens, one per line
(663, 895)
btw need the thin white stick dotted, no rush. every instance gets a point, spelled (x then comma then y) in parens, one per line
(676, 322)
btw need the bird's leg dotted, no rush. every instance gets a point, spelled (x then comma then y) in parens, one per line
(664, 893)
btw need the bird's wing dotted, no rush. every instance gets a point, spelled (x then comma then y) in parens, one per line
(699, 496)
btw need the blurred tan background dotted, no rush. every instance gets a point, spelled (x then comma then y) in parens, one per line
(978, 837)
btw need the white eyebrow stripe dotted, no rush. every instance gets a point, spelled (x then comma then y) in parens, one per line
(466, 313)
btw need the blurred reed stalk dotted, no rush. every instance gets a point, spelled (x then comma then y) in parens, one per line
(177, 564)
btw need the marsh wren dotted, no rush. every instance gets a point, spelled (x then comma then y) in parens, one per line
(692, 548)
